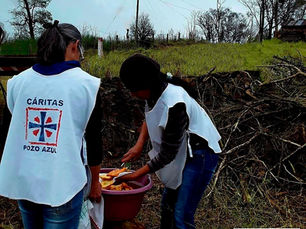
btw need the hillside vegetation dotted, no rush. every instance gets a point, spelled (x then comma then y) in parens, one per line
(197, 59)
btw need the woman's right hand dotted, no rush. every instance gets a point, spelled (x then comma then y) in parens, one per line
(133, 154)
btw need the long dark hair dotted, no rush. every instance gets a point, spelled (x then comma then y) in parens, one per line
(140, 72)
(54, 40)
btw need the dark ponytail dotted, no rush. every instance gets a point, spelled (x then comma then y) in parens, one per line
(54, 40)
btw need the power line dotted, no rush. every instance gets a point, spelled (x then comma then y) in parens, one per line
(116, 15)
(171, 5)
(177, 6)
(191, 4)
(152, 9)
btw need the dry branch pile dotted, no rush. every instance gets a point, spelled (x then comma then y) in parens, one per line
(262, 124)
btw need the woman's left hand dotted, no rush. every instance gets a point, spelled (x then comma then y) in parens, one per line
(95, 192)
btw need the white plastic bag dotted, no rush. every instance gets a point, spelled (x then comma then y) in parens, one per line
(96, 213)
(84, 222)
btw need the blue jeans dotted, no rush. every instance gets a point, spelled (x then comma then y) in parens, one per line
(178, 206)
(40, 216)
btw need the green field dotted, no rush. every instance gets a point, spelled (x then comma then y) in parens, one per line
(19, 47)
(198, 59)
(184, 57)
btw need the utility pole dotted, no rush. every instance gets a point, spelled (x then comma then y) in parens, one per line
(136, 31)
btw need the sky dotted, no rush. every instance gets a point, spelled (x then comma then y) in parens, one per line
(113, 17)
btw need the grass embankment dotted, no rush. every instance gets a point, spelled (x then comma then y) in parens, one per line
(198, 59)
(185, 57)
(19, 47)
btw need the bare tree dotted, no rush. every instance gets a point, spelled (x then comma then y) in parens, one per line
(300, 11)
(145, 31)
(234, 27)
(257, 10)
(219, 13)
(269, 14)
(2, 33)
(89, 36)
(192, 26)
(171, 34)
(29, 17)
(262, 19)
(223, 25)
(206, 22)
(290, 10)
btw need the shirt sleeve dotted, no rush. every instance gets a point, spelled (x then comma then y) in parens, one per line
(172, 137)
(93, 134)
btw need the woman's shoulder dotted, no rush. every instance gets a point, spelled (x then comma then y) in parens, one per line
(175, 89)
(21, 76)
(80, 74)
(175, 92)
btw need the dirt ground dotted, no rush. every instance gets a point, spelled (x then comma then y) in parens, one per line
(224, 209)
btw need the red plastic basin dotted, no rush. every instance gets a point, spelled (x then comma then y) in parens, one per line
(124, 205)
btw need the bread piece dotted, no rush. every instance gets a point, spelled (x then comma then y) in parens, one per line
(116, 172)
(104, 176)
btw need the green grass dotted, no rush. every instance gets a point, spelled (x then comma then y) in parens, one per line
(19, 47)
(184, 57)
(198, 59)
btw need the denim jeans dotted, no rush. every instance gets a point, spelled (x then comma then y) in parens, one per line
(178, 206)
(40, 216)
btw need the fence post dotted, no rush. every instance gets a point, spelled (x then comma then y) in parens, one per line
(100, 47)
(117, 41)
(127, 35)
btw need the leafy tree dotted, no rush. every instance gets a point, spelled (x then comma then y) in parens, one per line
(145, 31)
(29, 17)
